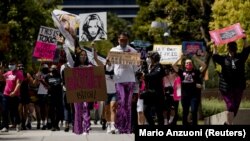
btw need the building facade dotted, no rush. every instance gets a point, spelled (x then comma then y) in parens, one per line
(126, 9)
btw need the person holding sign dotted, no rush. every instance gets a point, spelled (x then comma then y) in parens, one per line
(191, 83)
(82, 111)
(124, 77)
(232, 81)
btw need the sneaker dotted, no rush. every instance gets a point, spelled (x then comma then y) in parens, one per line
(104, 124)
(5, 130)
(85, 133)
(38, 126)
(44, 127)
(109, 128)
(55, 129)
(112, 128)
(29, 126)
(18, 128)
(66, 129)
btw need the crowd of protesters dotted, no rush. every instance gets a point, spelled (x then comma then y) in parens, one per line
(147, 94)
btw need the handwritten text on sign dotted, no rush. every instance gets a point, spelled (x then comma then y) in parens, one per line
(44, 50)
(125, 58)
(48, 35)
(169, 53)
(85, 84)
(191, 48)
(227, 34)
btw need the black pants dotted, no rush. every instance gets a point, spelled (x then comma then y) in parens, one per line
(152, 107)
(193, 101)
(10, 107)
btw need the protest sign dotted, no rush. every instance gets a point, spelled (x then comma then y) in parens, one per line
(60, 19)
(93, 27)
(85, 84)
(169, 53)
(45, 47)
(193, 48)
(125, 58)
(227, 34)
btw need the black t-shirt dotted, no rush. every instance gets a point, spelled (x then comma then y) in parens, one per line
(189, 79)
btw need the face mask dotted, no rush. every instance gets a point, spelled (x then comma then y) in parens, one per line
(148, 60)
(189, 66)
(12, 67)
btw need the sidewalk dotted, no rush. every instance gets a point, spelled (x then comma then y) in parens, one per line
(96, 134)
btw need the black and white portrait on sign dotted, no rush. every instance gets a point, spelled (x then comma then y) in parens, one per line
(93, 26)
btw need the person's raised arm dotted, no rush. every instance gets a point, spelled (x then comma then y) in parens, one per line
(201, 63)
(175, 64)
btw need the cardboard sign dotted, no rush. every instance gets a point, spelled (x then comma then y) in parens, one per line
(85, 84)
(44, 50)
(227, 34)
(46, 44)
(169, 53)
(125, 58)
(191, 48)
(48, 35)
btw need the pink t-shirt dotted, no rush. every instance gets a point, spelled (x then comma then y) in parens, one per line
(11, 78)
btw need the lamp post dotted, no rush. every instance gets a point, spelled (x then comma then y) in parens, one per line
(164, 26)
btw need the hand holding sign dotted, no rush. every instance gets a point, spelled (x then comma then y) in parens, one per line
(227, 34)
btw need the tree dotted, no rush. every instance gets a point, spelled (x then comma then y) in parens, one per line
(24, 18)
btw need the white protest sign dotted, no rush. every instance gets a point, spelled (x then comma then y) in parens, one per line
(169, 53)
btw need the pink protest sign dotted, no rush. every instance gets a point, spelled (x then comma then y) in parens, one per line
(44, 50)
(227, 34)
(85, 84)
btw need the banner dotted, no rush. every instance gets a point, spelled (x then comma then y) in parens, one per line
(46, 44)
(125, 58)
(169, 53)
(191, 48)
(227, 34)
(85, 84)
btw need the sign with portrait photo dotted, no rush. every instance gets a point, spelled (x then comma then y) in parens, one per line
(227, 34)
(169, 53)
(193, 48)
(93, 27)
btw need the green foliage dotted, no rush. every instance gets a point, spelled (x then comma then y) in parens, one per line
(214, 106)
(24, 19)
(184, 19)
